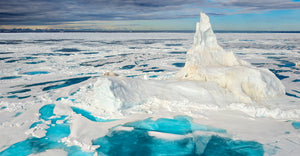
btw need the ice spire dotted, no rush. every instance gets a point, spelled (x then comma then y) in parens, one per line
(204, 33)
(207, 61)
(206, 51)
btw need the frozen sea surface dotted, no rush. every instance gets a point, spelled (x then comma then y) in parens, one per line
(47, 81)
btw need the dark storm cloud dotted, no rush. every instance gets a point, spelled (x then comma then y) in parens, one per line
(31, 12)
(39, 12)
(260, 5)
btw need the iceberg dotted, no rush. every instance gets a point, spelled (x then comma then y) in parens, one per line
(211, 78)
(207, 61)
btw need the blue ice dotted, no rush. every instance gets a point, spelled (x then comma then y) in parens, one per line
(89, 115)
(67, 82)
(9, 77)
(60, 98)
(178, 125)
(35, 124)
(139, 142)
(227, 147)
(19, 91)
(46, 111)
(12, 96)
(69, 50)
(36, 62)
(24, 97)
(17, 114)
(296, 125)
(51, 140)
(153, 76)
(57, 132)
(35, 145)
(179, 64)
(36, 72)
(73, 93)
(127, 67)
(292, 95)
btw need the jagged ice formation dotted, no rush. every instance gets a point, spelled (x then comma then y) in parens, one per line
(207, 61)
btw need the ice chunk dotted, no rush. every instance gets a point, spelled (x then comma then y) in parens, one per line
(207, 61)
(139, 141)
(178, 125)
(89, 115)
(113, 94)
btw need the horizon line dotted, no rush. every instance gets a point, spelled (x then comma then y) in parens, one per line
(14, 30)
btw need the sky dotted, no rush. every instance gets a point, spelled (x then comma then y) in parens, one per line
(150, 15)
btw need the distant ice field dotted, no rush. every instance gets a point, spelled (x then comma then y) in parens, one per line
(59, 56)
(46, 78)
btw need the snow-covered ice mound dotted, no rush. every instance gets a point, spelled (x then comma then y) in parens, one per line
(211, 79)
(207, 61)
(120, 94)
